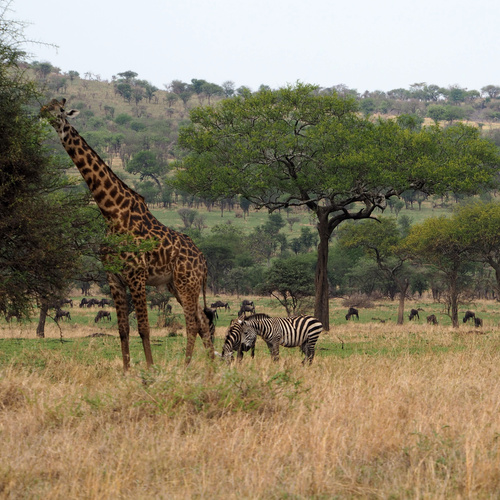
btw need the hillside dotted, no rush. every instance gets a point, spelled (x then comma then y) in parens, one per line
(149, 119)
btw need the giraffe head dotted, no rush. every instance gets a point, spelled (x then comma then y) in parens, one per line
(56, 115)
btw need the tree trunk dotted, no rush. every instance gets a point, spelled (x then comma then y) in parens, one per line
(321, 306)
(403, 287)
(496, 267)
(454, 300)
(40, 329)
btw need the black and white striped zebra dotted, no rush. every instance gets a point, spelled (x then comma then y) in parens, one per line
(233, 342)
(293, 331)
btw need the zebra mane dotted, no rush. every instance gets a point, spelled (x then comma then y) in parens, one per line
(257, 316)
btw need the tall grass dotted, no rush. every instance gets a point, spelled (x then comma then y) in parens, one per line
(400, 412)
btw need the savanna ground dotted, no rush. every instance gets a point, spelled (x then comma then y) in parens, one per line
(396, 412)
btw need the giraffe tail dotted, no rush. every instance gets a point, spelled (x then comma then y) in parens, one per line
(204, 290)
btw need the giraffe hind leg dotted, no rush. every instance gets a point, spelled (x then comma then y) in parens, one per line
(138, 291)
(119, 294)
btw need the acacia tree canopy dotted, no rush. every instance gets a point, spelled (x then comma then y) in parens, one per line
(293, 146)
(443, 243)
(380, 242)
(480, 223)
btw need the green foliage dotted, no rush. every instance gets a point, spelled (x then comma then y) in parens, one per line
(44, 224)
(275, 392)
(378, 238)
(444, 243)
(123, 119)
(147, 164)
(289, 281)
(119, 249)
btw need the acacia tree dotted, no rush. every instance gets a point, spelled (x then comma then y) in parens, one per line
(147, 164)
(442, 242)
(380, 242)
(293, 147)
(289, 281)
(481, 229)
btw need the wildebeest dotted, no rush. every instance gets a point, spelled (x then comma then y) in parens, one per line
(413, 314)
(478, 322)
(62, 314)
(59, 303)
(209, 313)
(159, 302)
(101, 315)
(351, 313)
(219, 305)
(92, 302)
(432, 320)
(12, 314)
(104, 302)
(84, 302)
(469, 315)
(246, 306)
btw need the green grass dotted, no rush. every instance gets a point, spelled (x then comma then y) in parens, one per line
(89, 351)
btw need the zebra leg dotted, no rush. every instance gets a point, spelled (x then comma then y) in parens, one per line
(239, 357)
(308, 350)
(274, 349)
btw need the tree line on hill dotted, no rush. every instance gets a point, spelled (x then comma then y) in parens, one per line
(147, 146)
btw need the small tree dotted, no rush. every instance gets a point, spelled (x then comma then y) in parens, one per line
(380, 242)
(442, 243)
(147, 164)
(188, 215)
(289, 281)
(481, 225)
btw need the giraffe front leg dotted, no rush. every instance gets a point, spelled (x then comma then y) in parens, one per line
(191, 331)
(137, 287)
(119, 294)
(196, 323)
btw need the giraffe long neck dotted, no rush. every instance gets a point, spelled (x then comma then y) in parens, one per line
(113, 197)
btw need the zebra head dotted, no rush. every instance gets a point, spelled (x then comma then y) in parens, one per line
(248, 330)
(232, 341)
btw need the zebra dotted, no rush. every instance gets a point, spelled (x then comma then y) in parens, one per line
(233, 341)
(293, 331)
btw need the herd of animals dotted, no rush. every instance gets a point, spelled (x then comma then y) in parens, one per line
(241, 335)
(174, 261)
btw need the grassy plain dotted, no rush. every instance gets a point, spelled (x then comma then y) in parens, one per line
(397, 412)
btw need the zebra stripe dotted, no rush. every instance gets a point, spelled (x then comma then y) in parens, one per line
(233, 342)
(293, 331)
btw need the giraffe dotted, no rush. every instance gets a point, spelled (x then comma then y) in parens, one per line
(170, 259)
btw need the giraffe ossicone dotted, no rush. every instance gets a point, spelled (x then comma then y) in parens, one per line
(173, 260)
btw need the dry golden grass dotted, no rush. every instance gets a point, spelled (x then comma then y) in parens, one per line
(397, 423)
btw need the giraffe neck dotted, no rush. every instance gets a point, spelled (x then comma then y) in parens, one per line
(113, 197)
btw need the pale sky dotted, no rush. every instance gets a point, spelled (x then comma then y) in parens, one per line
(364, 44)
